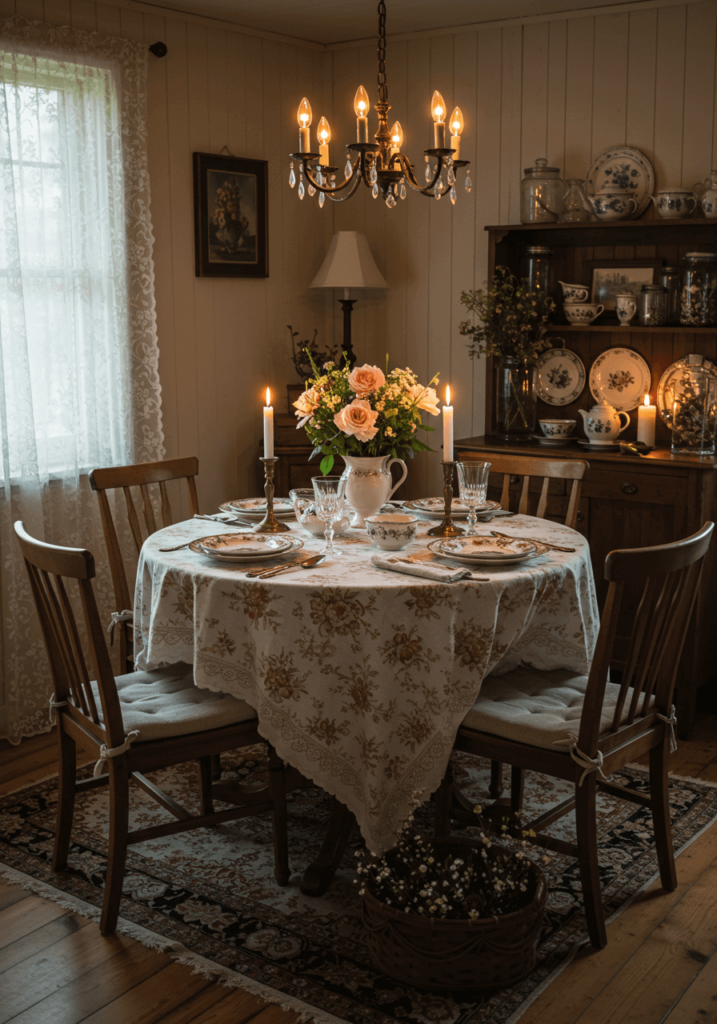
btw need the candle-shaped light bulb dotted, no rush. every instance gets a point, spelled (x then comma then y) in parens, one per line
(396, 138)
(268, 427)
(448, 428)
(303, 116)
(324, 135)
(361, 109)
(646, 422)
(456, 124)
(438, 113)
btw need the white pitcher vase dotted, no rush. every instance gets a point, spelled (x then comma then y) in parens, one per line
(369, 484)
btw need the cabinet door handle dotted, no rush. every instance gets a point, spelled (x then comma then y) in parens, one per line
(514, 479)
(580, 517)
(629, 488)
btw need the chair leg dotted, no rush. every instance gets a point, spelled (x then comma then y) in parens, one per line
(659, 792)
(586, 822)
(117, 847)
(216, 762)
(517, 785)
(65, 798)
(205, 784)
(277, 792)
(443, 800)
(495, 790)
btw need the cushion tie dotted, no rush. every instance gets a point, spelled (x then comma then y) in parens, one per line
(107, 752)
(672, 722)
(588, 763)
(55, 704)
(124, 616)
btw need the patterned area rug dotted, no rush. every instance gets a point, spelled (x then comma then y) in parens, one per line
(209, 898)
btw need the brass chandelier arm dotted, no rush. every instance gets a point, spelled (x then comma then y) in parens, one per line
(342, 199)
(330, 190)
(407, 169)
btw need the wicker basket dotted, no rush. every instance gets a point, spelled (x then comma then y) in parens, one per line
(461, 957)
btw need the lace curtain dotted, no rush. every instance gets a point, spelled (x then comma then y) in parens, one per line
(79, 384)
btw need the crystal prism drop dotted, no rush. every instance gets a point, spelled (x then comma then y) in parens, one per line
(333, 181)
(437, 191)
(451, 176)
(301, 190)
(374, 190)
(322, 200)
(402, 190)
(292, 176)
(319, 177)
(452, 194)
(312, 190)
(429, 172)
(390, 201)
(348, 168)
(373, 175)
(440, 187)
(468, 185)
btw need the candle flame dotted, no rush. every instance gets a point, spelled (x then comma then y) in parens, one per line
(448, 394)
(268, 398)
(647, 399)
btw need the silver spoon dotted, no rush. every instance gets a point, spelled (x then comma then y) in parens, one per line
(308, 563)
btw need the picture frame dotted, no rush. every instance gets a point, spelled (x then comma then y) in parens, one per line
(609, 278)
(230, 216)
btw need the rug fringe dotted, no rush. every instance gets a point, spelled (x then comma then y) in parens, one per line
(200, 965)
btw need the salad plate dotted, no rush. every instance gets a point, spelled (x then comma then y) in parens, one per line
(623, 169)
(254, 509)
(257, 548)
(433, 508)
(621, 377)
(671, 384)
(559, 376)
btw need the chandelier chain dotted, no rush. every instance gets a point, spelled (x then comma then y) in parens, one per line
(382, 90)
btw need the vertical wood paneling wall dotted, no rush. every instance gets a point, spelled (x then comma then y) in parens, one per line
(565, 88)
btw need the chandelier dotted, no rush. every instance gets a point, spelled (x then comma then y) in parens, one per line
(381, 165)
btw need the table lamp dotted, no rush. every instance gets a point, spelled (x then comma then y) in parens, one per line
(348, 264)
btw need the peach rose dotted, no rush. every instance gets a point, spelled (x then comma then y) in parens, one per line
(365, 379)
(357, 419)
(305, 405)
(425, 398)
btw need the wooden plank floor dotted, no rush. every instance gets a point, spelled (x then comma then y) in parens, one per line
(660, 964)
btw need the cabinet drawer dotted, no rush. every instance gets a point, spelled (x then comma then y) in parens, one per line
(628, 485)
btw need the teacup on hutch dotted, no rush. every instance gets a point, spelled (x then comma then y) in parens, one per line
(672, 203)
(582, 312)
(612, 204)
(625, 307)
(392, 531)
(574, 292)
(557, 428)
(603, 422)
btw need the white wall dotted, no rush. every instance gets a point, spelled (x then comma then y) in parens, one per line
(565, 87)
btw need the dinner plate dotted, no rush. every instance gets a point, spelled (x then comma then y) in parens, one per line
(434, 547)
(672, 382)
(282, 510)
(239, 556)
(433, 508)
(621, 377)
(559, 376)
(493, 549)
(623, 169)
(252, 544)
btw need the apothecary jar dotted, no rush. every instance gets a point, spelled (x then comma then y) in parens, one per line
(699, 289)
(541, 193)
(693, 397)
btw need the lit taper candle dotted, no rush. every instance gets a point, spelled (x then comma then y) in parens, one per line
(268, 427)
(323, 133)
(448, 428)
(361, 109)
(456, 124)
(438, 112)
(304, 118)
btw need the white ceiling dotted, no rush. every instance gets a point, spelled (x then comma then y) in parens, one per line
(340, 21)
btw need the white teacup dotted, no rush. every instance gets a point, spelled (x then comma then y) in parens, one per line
(582, 312)
(625, 307)
(391, 531)
(574, 292)
(557, 428)
(672, 203)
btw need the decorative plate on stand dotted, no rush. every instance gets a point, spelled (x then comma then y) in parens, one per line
(621, 377)
(670, 385)
(626, 170)
(559, 376)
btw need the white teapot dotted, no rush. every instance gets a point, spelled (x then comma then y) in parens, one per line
(603, 422)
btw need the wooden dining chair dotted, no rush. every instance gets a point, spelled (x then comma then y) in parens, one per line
(583, 728)
(142, 476)
(134, 724)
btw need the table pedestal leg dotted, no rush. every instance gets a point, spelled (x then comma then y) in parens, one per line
(318, 875)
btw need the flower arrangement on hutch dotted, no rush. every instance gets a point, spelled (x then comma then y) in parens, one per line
(370, 419)
(510, 323)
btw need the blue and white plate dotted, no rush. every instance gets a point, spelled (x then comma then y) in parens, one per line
(623, 169)
(559, 376)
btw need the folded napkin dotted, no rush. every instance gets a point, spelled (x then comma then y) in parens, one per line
(429, 570)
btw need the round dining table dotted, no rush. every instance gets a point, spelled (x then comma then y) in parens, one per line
(361, 676)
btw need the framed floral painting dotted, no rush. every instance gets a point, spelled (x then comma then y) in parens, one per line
(230, 216)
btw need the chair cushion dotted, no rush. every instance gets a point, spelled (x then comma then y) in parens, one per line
(166, 703)
(542, 709)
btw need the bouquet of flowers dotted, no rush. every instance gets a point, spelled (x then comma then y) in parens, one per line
(364, 412)
(512, 320)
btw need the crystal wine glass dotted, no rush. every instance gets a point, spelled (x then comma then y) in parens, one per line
(473, 487)
(330, 494)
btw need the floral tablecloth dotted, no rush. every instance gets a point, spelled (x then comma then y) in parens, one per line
(360, 677)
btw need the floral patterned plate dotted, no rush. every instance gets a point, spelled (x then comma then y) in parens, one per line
(255, 508)
(625, 169)
(433, 508)
(559, 376)
(621, 377)
(495, 549)
(242, 548)
(671, 382)
(437, 547)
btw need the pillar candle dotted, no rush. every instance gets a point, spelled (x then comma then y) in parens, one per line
(448, 428)
(268, 428)
(646, 419)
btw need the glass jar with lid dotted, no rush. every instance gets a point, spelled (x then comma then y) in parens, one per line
(670, 281)
(541, 193)
(575, 202)
(698, 306)
(539, 271)
(651, 305)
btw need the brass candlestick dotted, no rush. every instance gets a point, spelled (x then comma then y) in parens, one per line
(269, 523)
(447, 528)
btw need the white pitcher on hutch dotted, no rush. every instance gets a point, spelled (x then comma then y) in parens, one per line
(368, 484)
(603, 422)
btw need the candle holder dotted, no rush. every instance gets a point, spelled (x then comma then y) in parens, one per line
(269, 523)
(447, 528)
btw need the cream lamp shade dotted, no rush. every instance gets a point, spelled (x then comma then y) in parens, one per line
(349, 264)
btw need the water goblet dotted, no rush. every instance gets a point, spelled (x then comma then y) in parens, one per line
(473, 487)
(330, 494)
